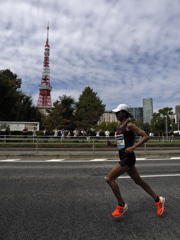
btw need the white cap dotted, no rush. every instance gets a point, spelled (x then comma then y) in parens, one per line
(123, 107)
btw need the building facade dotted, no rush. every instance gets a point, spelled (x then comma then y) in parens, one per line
(177, 111)
(147, 110)
(137, 113)
(108, 116)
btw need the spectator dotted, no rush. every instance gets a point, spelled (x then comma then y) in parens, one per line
(83, 132)
(107, 133)
(63, 133)
(7, 131)
(55, 132)
(160, 134)
(45, 132)
(25, 131)
(97, 133)
(151, 134)
(68, 134)
(76, 132)
(171, 135)
(34, 132)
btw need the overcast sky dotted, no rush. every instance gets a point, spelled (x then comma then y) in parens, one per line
(126, 50)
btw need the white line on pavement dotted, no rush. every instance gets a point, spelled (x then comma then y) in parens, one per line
(10, 160)
(152, 176)
(159, 159)
(92, 160)
(98, 160)
(55, 160)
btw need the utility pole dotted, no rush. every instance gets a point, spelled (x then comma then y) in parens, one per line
(166, 127)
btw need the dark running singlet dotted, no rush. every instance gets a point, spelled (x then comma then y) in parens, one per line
(125, 139)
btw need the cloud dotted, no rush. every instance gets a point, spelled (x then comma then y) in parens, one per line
(125, 50)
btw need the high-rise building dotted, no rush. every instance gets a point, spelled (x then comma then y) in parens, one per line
(177, 115)
(44, 100)
(147, 110)
(137, 113)
(177, 111)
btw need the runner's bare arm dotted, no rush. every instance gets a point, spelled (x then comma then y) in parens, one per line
(108, 143)
(139, 132)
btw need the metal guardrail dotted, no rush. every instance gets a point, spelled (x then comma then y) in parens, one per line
(35, 142)
(6, 138)
(91, 141)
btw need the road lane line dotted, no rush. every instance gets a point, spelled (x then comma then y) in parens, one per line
(55, 160)
(98, 160)
(87, 160)
(158, 175)
(9, 160)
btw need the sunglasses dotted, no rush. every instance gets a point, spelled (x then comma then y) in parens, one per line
(118, 112)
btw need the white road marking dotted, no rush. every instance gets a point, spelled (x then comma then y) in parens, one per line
(98, 160)
(55, 160)
(92, 160)
(153, 176)
(9, 160)
(158, 159)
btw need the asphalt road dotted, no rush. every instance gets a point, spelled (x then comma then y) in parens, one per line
(69, 200)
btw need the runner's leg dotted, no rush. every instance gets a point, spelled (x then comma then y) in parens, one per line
(115, 172)
(133, 173)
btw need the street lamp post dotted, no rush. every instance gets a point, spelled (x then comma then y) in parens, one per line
(166, 128)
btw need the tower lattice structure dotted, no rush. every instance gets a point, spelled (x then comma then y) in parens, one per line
(44, 100)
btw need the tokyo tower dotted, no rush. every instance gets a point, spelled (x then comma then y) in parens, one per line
(44, 100)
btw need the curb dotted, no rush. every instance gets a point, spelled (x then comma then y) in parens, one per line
(85, 156)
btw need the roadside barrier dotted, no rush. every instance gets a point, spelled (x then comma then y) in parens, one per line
(81, 143)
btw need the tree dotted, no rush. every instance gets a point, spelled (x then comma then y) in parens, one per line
(143, 126)
(14, 104)
(158, 121)
(25, 110)
(9, 85)
(61, 116)
(89, 108)
(111, 126)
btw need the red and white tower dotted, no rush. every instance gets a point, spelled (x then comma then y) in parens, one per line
(44, 100)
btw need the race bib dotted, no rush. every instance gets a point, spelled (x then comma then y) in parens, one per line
(120, 141)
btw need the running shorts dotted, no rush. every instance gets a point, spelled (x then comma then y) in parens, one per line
(127, 159)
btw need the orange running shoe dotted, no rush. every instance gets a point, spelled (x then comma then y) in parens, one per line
(119, 210)
(160, 205)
